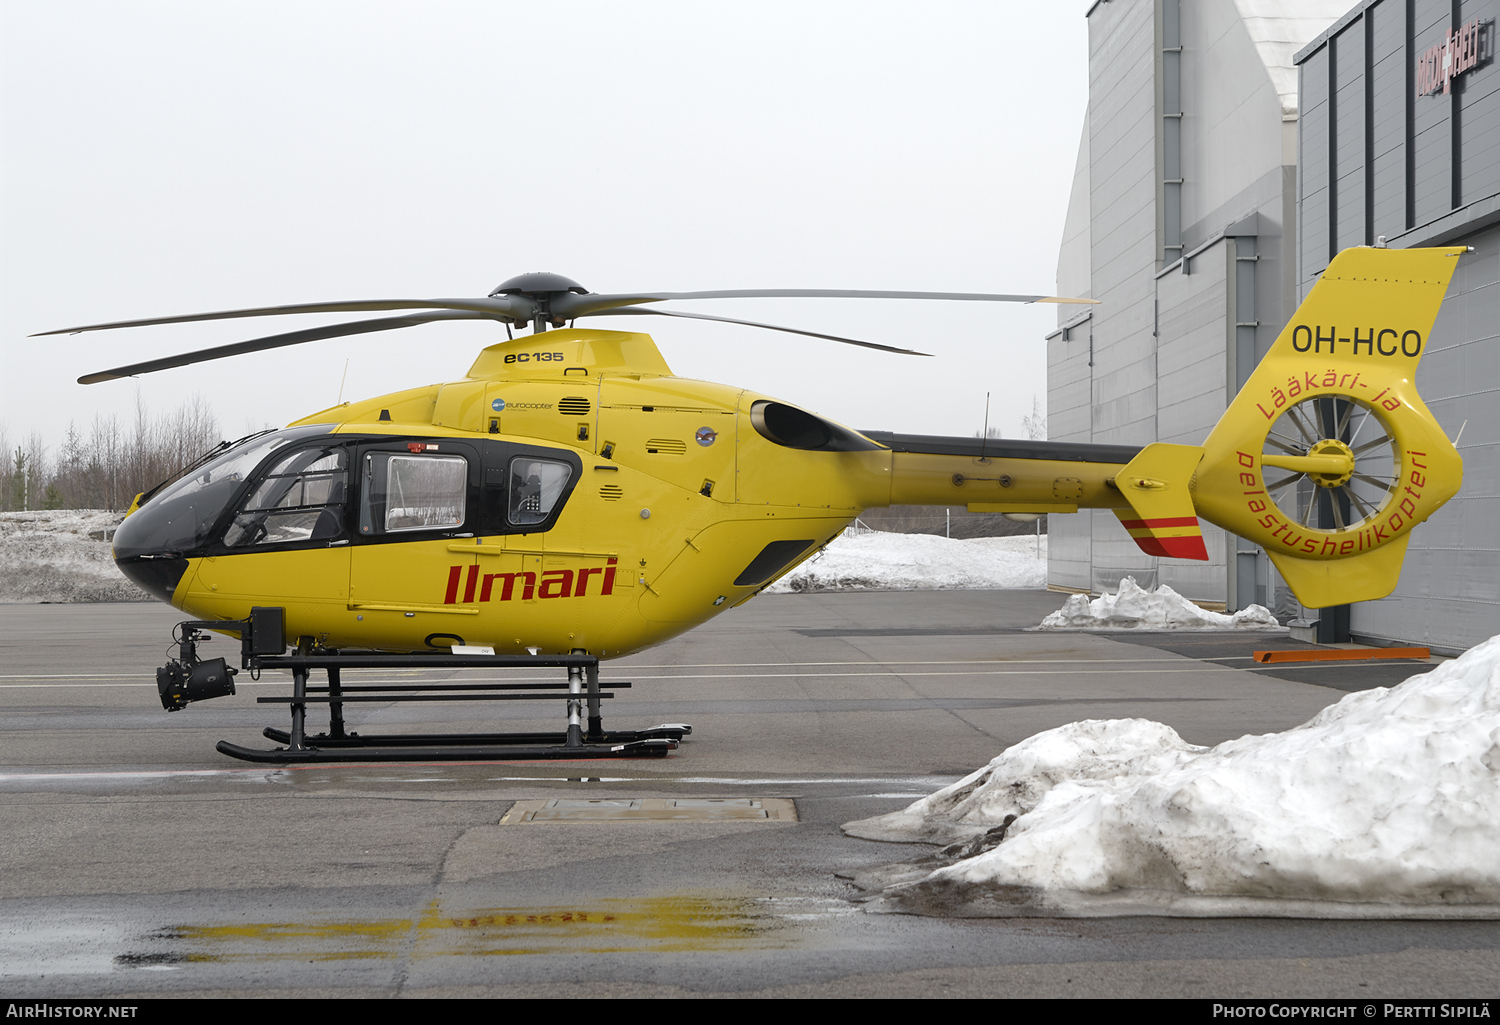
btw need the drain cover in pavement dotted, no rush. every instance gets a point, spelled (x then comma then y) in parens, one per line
(700, 809)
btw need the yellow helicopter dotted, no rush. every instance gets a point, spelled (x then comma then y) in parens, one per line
(570, 497)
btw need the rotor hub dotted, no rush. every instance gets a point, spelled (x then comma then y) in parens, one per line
(1333, 478)
(539, 285)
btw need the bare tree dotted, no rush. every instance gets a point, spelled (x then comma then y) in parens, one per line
(109, 467)
(1035, 425)
(106, 445)
(35, 479)
(6, 470)
(67, 482)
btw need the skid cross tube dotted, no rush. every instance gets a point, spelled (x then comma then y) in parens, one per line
(337, 700)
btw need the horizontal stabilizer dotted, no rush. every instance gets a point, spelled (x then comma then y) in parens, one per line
(1161, 518)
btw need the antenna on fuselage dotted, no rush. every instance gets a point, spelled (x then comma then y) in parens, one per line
(984, 439)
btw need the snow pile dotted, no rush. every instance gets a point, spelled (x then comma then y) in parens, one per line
(61, 555)
(1387, 803)
(920, 562)
(1135, 608)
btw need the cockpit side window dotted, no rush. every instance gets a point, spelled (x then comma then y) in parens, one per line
(300, 498)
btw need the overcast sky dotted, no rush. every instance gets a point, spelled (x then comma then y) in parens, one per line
(163, 158)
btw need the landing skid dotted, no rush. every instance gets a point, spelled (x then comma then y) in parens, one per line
(465, 747)
(340, 745)
(482, 753)
(263, 647)
(666, 731)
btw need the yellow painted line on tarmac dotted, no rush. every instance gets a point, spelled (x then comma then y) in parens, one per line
(352, 676)
(151, 684)
(898, 662)
(352, 673)
(1196, 667)
(604, 684)
(390, 773)
(1182, 664)
(78, 676)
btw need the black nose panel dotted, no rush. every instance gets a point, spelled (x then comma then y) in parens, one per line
(158, 576)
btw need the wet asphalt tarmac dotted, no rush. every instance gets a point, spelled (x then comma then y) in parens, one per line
(137, 861)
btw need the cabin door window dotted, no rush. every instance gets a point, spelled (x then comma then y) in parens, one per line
(412, 492)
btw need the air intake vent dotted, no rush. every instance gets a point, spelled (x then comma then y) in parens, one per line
(611, 492)
(666, 447)
(573, 405)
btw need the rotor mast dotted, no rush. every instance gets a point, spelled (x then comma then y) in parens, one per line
(540, 288)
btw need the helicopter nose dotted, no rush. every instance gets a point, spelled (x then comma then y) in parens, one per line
(148, 550)
(158, 575)
(150, 546)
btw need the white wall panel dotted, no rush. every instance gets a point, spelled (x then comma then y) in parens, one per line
(1159, 344)
(1449, 593)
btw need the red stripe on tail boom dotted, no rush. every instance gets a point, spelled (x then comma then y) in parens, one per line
(1173, 521)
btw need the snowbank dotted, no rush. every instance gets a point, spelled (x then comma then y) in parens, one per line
(920, 562)
(1135, 608)
(1385, 804)
(61, 555)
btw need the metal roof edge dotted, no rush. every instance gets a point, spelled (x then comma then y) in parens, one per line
(1246, 227)
(1069, 325)
(1455, 224)
(1331, 31)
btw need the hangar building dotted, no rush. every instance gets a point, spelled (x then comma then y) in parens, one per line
(1210, 192)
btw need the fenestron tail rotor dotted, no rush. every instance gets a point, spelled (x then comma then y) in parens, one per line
(540, 299)
(1328, 457)
(1330, 463)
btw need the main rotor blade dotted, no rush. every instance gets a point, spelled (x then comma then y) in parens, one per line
(276, 341)
(514, 307)
(633, 312)
(580, 305)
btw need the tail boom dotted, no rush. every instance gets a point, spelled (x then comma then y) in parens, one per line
(1327, 458)
(999, 475)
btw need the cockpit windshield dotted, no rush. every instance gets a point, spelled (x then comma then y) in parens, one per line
(180, 516)
(300, 498)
